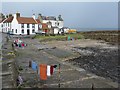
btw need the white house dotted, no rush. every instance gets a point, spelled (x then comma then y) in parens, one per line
(1, 25)
(1, 22)
(56, 30)
(6, 25)
(20, 25)
(54, 24)
(65, 29)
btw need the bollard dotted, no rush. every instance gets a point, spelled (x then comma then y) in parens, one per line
(13, 47)
(66, 38)
(30, 64)
(75, 38)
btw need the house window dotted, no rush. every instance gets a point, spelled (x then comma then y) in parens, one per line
(16, 31)
(39, 26)
(55, 24)
(12, 30)
(28, 25)
(22, 31)
(22, 25)
(33, 25)
(58, 24)
(33, 31)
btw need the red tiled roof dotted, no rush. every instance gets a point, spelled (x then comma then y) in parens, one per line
(38, 21)
(2, 20)
(26, 20)
(8, 19)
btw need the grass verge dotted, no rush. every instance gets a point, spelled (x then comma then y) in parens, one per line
(59, 37)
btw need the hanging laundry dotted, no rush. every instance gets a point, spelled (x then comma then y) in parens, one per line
(22, 44)
(43, 71)
(54, 66)
(48, 70)
(20, 79)
(34, 65)
(51, 70)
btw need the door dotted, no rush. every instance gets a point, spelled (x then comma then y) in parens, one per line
(28, 32)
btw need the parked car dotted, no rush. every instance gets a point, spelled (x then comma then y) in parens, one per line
(40, 32)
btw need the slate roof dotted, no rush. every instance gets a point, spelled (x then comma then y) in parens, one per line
(48, 18)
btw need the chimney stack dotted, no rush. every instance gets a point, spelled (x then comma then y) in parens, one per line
(33, 16)
(17, 14)
(10, 15)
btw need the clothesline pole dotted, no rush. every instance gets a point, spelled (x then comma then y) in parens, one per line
(92, 86)
(59, 76)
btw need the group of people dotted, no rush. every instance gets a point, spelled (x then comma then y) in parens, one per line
(19, 43)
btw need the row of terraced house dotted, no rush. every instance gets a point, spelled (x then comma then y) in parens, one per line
(30, 25)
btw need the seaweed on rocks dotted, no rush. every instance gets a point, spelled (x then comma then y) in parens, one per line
(102, 61)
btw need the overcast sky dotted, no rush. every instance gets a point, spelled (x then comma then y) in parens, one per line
(75, 14)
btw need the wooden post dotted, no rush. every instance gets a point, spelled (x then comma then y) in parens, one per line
(30, 64)
(92, 86)
(13, 47)
(59, 76)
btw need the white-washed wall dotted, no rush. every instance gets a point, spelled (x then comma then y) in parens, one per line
(55, 23)
(56, 30)
(30, 29)
(15, 25)
(36, 27)
(5, 27)
(60, 24)
(1, 27)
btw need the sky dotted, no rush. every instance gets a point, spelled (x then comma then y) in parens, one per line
(75, 14)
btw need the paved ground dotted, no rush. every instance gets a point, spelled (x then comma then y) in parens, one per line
(57, 52)
(7, 65)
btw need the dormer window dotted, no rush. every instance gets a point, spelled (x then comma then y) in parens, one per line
(28, 25)
(33, 25)
(22, 25)
(58, 24)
